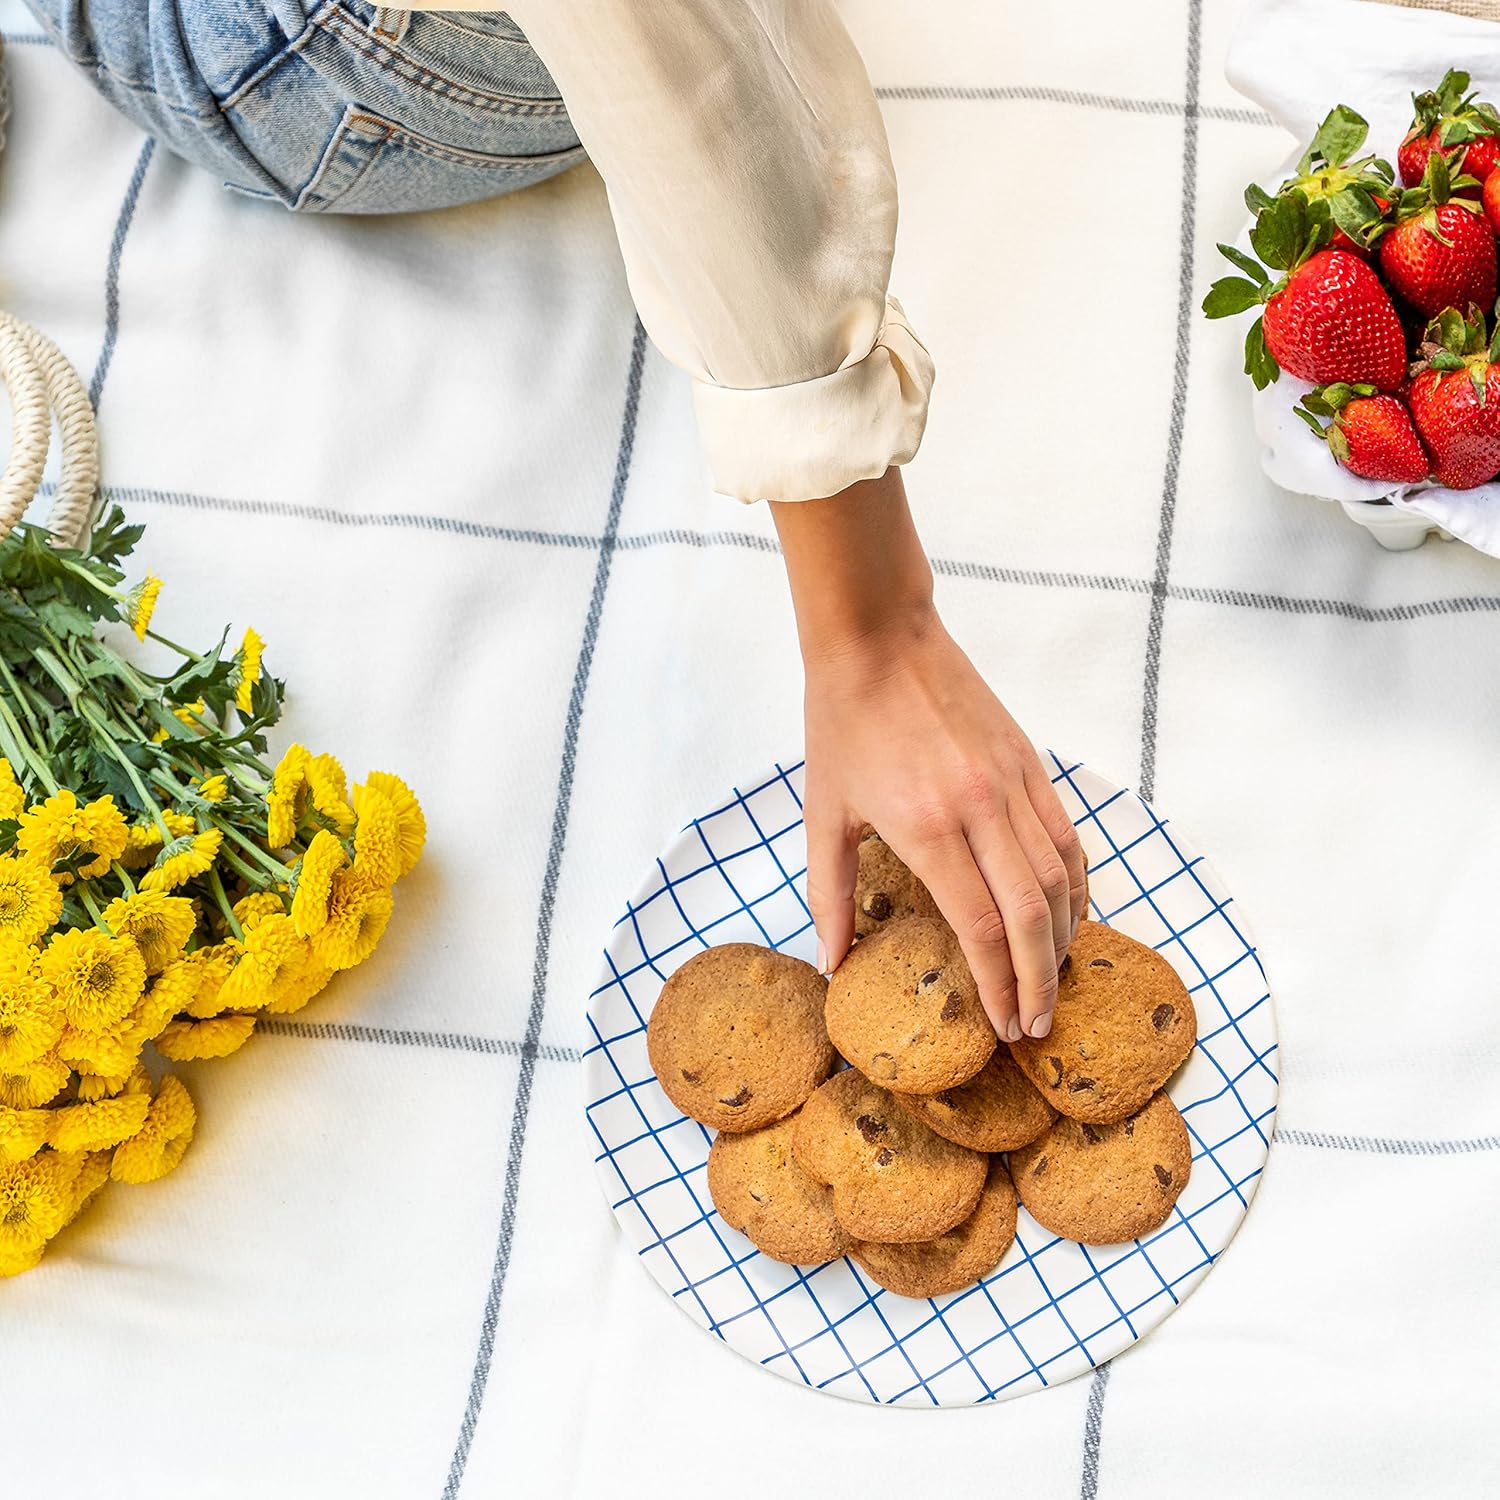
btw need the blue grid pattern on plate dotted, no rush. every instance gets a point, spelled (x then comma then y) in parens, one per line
(1052, 1309)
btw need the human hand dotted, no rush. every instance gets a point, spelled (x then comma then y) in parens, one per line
(904, 733)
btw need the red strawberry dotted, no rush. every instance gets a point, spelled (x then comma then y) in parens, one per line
(1491, 200)
(1370, 435)
(1327, 318)
(1438, 252)
(1455, 400)
(1449, 118)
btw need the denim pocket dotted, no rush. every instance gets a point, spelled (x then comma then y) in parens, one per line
(374, 166)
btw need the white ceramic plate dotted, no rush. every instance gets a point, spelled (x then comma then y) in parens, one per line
(1053, 1309)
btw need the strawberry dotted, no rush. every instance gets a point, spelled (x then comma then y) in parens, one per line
(1455, 399)
(1370, 435)
(1326, 318)
(1451, 120)
(1358, 191)
(1437, 251)
(1491, 200)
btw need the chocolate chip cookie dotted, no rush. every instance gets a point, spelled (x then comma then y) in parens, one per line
(737, 1037)
(904, 1009)
(998, 1109)
(1105, 1183)
(894, 1180)
(1122, 1026)
(885, 890)
(962, 1256)
(760, 1190)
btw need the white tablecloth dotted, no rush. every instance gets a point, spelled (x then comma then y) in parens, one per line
(431, 460)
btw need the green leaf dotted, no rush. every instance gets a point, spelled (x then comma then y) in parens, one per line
(1260, 363)
(1438, 179)
(1355, 211)
(1452, 334)
(1339, 394)
(1257, 198)
(1310, 419)
(1230, 296)
(1248, 264)
(1456, 132)
(1338, 444)
(1443, 360)
(1382, 168)
(1340, 135)
(1451, 90)
(1314, 402)
(1280, 230)
(1494, 350)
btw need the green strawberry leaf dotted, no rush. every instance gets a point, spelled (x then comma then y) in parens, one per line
(1438, 179)
(1451, 331)
(1443, 360)
(1451, 90)
(1338, 444)
(1382, 168)
(1354, 210)
(1478, 378)
(1494, 350)
(1280, 230)
(1489, 118)
(1338, 394)
(1340, 135)
(1456, 132)
(1260, 363)
(1314, 402)
(1248, 264)
(1230, 296)
(1257, 198)
(1307, 416)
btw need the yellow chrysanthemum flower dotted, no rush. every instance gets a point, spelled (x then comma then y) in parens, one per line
(297, 991)
(93, 1173)
(159, 925)
(12, 798)
(214, 789)
(412, 825)
(171, 994)
(142, 840)
(23, 1132)
(92, 1086)
(287, 799)
(35, 1197)
(31, 1019)
(377, 839)
(329, 787)
(313, 882)
(159, 1144)
(357, 916)
(38, 1083)
(98, 978)
(187, 1041)
(179, 824)
(190, 713)
(30, 899)
(247, 669)
(96, 1127)
(212, 966)
(141, 603)
(182, 859)
(271, 956)
(111, 1053)
(59, 829)
(250, 911)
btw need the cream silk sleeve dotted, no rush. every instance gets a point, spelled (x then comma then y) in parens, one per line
(755, 203)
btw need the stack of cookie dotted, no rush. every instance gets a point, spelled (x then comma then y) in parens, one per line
(911, 1160)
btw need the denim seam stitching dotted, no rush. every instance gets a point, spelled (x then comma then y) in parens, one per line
(398, 134)
(331, 21)
(327, 166)
(291, 49)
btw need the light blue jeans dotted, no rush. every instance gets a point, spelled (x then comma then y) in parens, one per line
(327, 106)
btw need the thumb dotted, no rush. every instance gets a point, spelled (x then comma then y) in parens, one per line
(832, 863)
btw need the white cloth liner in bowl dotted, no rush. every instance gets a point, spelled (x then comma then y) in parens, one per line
(1297, 61)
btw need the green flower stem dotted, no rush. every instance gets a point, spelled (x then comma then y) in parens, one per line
(22, 699)
(222, 898)
(92, 907)
(123, 876)
(111, 747)
(246, 872)
(19, 750)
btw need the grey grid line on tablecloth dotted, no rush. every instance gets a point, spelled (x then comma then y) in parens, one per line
(946, 567)
(1040, 94)
(112, 272)
(561, 810)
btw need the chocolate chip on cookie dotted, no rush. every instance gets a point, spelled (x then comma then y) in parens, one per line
(998, 1109)
(884, 889)
(894, 1180)
(1105, 1183)
(904, 1009)
(759, 1189)
(1122, 1025)
(962, 1256)
(737, 1036)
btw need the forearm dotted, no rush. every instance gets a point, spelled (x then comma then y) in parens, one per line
(857, 571)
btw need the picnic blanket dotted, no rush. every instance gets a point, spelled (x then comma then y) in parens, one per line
(434, 461)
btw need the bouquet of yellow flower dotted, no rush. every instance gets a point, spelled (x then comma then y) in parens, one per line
(161, 885)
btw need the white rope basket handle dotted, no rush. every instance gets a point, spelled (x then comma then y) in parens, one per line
(45, 388)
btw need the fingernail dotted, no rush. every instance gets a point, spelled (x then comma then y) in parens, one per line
(822, 957)
(1042, 1025)
(1013, 1030)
